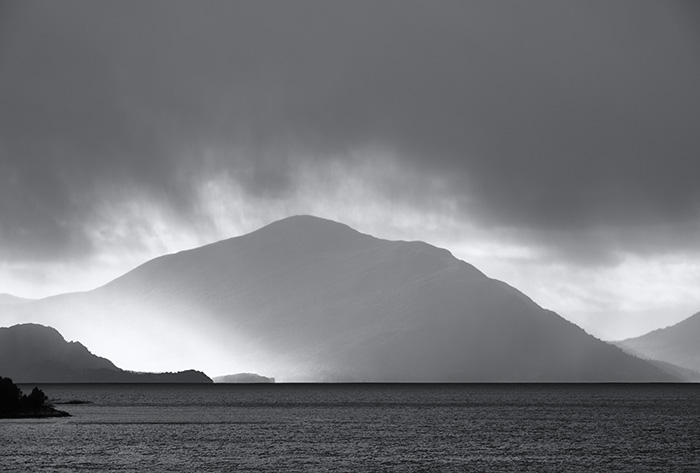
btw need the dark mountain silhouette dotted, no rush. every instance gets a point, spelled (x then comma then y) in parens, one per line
(678, 344)
(307, 299)
(32, 353)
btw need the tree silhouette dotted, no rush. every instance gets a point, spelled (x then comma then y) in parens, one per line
(36, 398)
(11, 397)
(10, 394)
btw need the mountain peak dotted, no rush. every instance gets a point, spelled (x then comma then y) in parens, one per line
(46, 335)
(307, 226)
(306, 219)
(299, 234)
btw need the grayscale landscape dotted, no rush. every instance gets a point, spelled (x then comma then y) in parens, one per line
(369, 235)
(310, 300)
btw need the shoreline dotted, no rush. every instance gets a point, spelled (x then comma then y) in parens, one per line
(44, 412)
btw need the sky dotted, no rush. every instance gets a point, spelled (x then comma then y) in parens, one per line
(554, 145)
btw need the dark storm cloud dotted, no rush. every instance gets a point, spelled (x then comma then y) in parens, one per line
(574, 124)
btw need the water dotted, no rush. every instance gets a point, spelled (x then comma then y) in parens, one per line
(441, 428)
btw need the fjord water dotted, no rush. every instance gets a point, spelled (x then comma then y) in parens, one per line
(361, 427)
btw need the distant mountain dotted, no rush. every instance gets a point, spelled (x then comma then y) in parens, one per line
(678, 344)
(9, 299)
(243, 378)
(308, 299)
(683, 374)
(32, 353)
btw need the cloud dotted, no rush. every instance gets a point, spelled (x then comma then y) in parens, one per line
(571, 127)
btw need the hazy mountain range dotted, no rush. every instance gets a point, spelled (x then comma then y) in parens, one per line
(678, 345)
(307, 299)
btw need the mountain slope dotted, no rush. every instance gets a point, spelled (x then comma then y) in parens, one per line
(32, 353)
(678, 344)
(307, 299)
(9, 299)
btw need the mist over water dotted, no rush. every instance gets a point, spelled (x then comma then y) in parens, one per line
(361, 428)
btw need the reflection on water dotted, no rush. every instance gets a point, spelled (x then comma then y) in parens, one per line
(360, 428)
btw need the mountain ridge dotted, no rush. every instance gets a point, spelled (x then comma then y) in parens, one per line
(309, 299)
(676, 344)
(9, 299)
(34, 353)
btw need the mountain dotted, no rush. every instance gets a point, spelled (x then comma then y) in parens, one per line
(308, 299)
(681, 373)
(32, 353)
(678, 344)
(9, 299)
(243, 378)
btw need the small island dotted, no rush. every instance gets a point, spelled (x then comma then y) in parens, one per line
(243, 378)
(16, 405)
